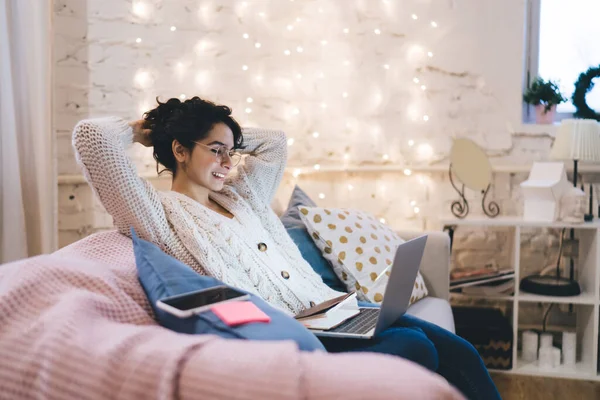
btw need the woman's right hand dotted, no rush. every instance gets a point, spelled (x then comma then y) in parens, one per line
(140, 134)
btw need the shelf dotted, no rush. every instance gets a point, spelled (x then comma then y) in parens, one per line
(481, 296)
(584, 298)
(508, 221)
(577, 371)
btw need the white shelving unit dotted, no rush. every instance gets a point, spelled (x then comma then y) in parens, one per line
(586, 305)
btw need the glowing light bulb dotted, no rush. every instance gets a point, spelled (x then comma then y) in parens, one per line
(321, 195)
(317, 167)
(173, 28)
(298, 76)
(429, 54)
(142, 78)
(248, 110)
(425, 118)
(323, 105)
(350, 187)
(345, 95)
(297, 172)
(423, 87)
(249, 100)
(416, 210)
(290, 27)
(138, 40)
(434, 24)
(415, 16)
(299, 49)
(425, 150)
(245, 67)
(407, 172)
(346, 30)
(140, 9)
(296, 111)
(324, 42)
(382, 220)
(290, 141)
(346, 156)
(257, 45)
(287, 52)
(377, 31)
(416, 80)
(386, 66)
(262, 14)
(386, 157)
(411, 142)
(245, 36)
(182, 96)
(315, 134)
(413, 203)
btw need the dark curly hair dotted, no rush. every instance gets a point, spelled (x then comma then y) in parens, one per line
(187, 121)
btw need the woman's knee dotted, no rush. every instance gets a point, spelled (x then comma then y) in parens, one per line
(411, 344)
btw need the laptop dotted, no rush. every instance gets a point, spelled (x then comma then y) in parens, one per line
(371, 321)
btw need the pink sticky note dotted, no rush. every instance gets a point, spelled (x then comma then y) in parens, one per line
(239, 312)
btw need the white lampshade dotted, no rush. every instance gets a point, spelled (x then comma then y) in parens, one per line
(577, 139)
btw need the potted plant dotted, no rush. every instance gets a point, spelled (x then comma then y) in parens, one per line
(545, 96)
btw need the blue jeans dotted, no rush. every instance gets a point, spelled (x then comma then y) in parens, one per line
(433, 347)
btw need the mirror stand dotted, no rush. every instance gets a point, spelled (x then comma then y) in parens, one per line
(460, 208)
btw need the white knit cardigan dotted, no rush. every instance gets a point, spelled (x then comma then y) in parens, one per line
(207, 241)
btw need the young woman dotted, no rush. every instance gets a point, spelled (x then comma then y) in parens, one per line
(220, 223)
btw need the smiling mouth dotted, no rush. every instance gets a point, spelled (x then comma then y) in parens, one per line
(218, 175)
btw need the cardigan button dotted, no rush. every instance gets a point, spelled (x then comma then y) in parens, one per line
(285, 274)
(312, 304)
(262, 247)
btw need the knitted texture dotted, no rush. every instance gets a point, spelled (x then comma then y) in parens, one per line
(201, 238)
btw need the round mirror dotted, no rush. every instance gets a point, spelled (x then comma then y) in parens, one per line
(470, 164)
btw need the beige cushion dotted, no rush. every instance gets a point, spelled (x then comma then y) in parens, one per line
(360, 249)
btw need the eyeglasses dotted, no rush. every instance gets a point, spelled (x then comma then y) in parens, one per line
(220, 152)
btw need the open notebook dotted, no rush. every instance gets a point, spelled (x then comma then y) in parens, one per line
(330, 313)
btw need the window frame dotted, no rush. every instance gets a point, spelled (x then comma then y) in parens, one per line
(532, 51)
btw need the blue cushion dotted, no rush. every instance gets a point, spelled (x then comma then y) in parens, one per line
(162, 276)
(309, 250)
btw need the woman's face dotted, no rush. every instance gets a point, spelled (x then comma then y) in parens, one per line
(204, 167)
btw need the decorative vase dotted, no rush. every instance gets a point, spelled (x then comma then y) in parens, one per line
(543, 117)
(573, 205)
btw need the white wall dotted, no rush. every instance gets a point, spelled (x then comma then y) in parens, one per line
(473, 89)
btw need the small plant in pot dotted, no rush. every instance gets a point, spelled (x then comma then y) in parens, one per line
(545, 96)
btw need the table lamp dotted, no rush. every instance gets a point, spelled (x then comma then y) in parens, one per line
(576, 140)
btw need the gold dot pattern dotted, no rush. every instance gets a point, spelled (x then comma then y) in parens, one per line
(360, 253)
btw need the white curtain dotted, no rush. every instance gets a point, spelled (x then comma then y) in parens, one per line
(28, 189)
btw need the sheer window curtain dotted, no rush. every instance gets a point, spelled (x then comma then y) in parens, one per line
(28, 188)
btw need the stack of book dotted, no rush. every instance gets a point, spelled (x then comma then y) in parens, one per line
(485, 281)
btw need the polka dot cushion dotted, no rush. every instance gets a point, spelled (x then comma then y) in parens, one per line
(360, 249)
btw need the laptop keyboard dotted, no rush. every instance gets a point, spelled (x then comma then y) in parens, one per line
(359, 324)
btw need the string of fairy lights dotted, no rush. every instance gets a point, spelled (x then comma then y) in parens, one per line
(143, 10)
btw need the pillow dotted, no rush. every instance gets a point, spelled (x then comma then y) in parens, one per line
(360, 248)
(310, 252)
(162, 275)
